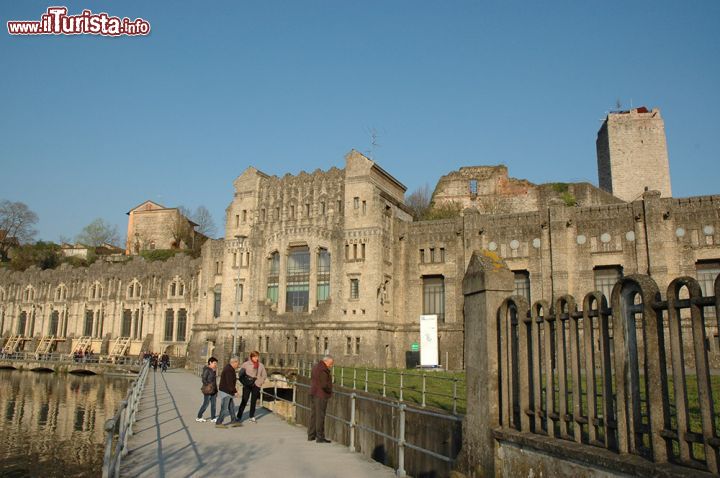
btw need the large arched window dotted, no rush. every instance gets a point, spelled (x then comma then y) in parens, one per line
(273, 277)
(22, 323)
(88, 328)
(298, 279)
(323, 276)
(181, 325)
(169, 322)
(54, 322)
(126, 325)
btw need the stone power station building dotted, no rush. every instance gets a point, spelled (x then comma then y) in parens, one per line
(333, 260)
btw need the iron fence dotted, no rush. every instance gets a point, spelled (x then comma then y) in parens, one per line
(609, 377)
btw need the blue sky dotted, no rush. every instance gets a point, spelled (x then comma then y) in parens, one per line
(92, 126)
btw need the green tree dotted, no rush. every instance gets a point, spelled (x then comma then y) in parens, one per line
(45, 255)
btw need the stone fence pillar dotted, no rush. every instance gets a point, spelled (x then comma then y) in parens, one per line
(486, 284)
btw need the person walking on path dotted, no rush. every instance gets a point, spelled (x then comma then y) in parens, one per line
(165, 362)
(320, 393)
(254, 369)
(209, 390)
(227, 393)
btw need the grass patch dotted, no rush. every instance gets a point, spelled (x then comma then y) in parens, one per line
(438, 385)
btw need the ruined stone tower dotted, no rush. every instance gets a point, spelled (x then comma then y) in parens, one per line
(632, 154)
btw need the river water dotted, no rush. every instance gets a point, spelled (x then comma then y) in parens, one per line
(52, 424)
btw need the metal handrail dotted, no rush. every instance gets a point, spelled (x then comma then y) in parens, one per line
(352, 424)
(70, 358)
(457, 395)
(118, 429)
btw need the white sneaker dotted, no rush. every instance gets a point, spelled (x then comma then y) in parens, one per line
(200, 420)
(252, 419)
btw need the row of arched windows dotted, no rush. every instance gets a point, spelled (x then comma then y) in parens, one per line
(175, 289)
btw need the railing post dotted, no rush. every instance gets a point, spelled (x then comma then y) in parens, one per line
(275, 397)
(384, 382)
(455, 380)
(109, 431)
(124, 431)
(401, 386)
(354, 377)
(486, 284)
(366, 379)
(352, 421)
(423, 390)
(401, 442)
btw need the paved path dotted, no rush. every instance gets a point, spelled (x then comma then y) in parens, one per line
(169, 442)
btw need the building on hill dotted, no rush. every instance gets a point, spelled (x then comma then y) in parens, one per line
(153, 226)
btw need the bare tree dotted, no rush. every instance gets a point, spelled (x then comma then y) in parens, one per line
(98, 233)
(419, 201)
(16, 225)
(204, 221)
(181, 229)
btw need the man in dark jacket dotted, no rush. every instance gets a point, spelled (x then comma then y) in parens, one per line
(227, 393)
(164, 362)
(320, 393)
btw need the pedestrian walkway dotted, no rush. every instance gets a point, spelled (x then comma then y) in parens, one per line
(168, 442)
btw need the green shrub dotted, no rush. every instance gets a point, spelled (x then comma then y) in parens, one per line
(445, 210)
(159, 254)
(560, 187)
(568, 199)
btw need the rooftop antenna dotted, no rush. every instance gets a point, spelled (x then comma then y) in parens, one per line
(373, 142)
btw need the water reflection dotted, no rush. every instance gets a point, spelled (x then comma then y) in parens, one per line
(52, 424)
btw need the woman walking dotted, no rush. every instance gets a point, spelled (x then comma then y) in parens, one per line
(209, 390)
(251, 388)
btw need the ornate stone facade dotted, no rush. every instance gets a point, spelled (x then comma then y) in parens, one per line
(153, 304)
(333, 261)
